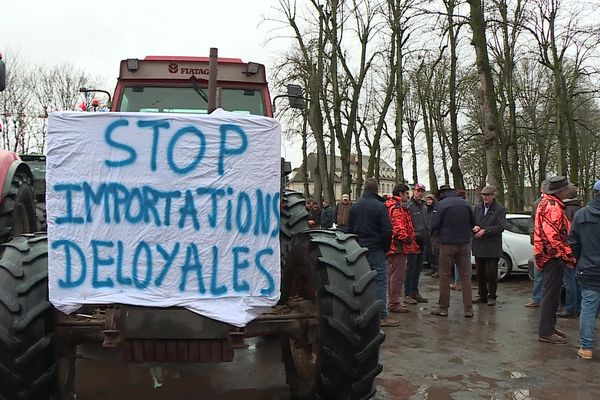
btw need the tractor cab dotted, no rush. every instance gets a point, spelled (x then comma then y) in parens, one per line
(181, 85)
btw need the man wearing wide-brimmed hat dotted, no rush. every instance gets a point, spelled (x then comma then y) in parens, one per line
(490, 222)
(552, 254)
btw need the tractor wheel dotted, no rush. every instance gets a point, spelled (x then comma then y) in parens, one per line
(330, 269)
(27, 362)
(41, 217)
(17, 210)
(294, 219)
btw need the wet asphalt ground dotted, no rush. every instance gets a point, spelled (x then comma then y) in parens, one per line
(494, 355)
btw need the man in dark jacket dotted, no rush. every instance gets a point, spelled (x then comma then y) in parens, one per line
(432, 249)
(370, 221)
(420, 221)
(452, 222)
(584, 240)
(490, 222)
(327, 215)
(572, 289)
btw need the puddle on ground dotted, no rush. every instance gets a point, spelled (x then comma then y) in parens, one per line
(397, 388)
(438, 393)
(521, 394)
(492, 383)
(517, 375)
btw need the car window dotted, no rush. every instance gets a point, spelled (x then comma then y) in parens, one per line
(519, 225)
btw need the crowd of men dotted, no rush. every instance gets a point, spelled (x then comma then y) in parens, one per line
(403, 230)
(565, 238)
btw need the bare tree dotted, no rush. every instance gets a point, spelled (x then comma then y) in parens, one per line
(488, 96)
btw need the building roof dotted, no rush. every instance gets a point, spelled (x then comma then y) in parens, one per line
(386, 171)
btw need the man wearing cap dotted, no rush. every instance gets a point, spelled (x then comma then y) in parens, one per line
(584, 240)
(403, 243)
(452, 223)
(490, 222)
(552, 254)
(342, 210)
(420, 221)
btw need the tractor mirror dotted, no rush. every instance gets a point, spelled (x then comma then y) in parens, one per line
(2, 74)
(295, 95)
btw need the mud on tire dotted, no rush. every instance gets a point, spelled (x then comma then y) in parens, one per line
(330, 268)
(17, 210)
(41, 217)
(27, 363)
(294, 219)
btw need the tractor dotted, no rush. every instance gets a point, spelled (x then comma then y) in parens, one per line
(327, 317)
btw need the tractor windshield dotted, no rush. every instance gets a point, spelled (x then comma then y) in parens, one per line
(189, 100)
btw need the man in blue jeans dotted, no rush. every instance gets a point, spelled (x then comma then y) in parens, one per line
(584, 239)
(370, 221)
(538, 274)
(572, 289)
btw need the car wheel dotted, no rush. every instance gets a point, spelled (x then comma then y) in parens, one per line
(504, 268)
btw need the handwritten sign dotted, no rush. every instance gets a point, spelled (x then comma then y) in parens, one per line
(164, 210)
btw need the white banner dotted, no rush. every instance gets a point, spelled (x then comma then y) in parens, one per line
(164, 210)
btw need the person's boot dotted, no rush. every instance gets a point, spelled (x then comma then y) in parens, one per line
(566, 314)
(552, 339)
(433, 272)
(586, 354)
(418, 298)
(389, 322)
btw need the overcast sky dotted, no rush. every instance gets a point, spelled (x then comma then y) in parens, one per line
(96, 35)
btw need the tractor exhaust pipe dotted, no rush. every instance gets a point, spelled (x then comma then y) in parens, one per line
(212, 79)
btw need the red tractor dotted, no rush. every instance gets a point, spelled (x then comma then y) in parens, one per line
(327, 318)
(17, 208)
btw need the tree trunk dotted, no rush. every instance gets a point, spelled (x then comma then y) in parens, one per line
(490, 134)
(457, 176)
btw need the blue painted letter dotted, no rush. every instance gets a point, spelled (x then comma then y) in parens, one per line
(239, 265)
(231, 151)
(156, 125)
(68, 282)
(98, 261)
(128, 149)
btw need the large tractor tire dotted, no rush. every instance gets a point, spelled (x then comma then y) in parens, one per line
(41, 217)
(331, 269)
(17, 210)
(294, 219)
(27, 361)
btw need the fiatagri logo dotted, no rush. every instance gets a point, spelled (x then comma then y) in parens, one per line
(175, 69)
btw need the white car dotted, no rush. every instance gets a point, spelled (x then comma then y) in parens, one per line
(516, 246)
